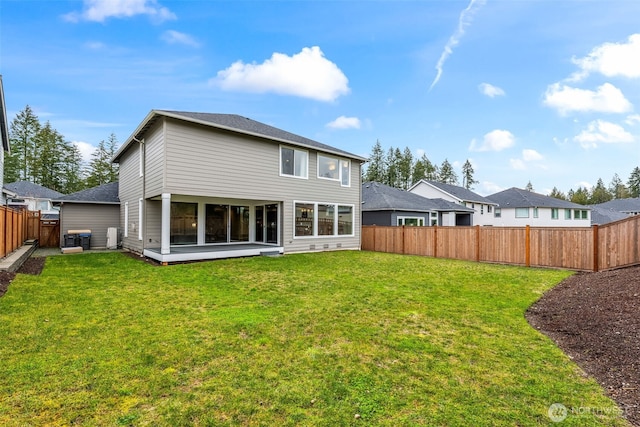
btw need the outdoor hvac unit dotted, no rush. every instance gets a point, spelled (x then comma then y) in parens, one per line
(112, 238)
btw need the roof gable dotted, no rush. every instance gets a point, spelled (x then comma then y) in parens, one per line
(455, 191)
(519, 198)
(106, 193)
(31, 190)
(376, 196)
(234, 123)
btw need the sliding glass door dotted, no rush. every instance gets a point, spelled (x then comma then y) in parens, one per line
(266, 224)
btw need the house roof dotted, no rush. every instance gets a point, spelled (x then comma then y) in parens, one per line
(4, 130)
(456, 191)
(378, 197)
(519, 198)
(31, 190)
(629, 205)
(233, 123)
(602, 215)
(102, 194)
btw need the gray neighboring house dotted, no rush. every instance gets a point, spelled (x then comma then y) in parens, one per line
(385, 205)
(482, 206)
(33, 197)
(4, 137)
(96, 209)
(615, 210)
(199, 186)
(519, 208)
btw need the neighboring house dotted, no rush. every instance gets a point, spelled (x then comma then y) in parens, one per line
(385, 205)
(629, 206)
(600, 215)
(482, 206)
(518, 207)
(96, 209)
(4, 137)
(33, 197)
(204, 186)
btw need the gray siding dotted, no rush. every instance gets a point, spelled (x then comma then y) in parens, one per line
(206, 162)
(192, 161)
(129, 192)
(376, 218)
(87, 216)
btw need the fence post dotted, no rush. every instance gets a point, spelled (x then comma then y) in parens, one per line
(477, 243)
(528, 246)
(403, 241)
(596, 242)
(435, 242)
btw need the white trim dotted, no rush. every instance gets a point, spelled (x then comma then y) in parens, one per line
(126, 219)
(294, 162)
(419, 218)
(140, 202)
(315, 234)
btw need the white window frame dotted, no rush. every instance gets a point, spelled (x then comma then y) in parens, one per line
(336, 211)
(497, 213)
(535, 212)
(295, 150)
(555, 213)
(567, 214)
(141, 155)
(519, 213)
(402, 220)
(341, 176)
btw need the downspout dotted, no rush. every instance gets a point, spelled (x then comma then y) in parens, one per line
(143, 206)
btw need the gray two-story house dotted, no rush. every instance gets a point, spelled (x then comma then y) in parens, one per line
(203, 186)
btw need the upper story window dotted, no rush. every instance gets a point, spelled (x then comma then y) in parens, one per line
(522, 212)
(294, 162)
(535, 212)
(567, 214)
(579, 214)
(334, 169)
(498, 213)
(554, 213)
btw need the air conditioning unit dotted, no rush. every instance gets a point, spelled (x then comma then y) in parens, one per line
(112, 238)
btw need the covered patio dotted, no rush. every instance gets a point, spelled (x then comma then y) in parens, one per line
(210, 252)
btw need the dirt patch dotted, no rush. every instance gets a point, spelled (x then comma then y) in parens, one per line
(32, 265)
(595, 319)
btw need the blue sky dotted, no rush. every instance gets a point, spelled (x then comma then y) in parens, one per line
(527, 90)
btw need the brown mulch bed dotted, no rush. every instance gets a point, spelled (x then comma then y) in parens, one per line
(595, 319)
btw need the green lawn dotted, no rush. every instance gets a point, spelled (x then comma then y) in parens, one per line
(326, 339)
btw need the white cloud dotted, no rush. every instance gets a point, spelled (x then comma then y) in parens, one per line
(344, 122)
(176, 37)
(633, 119)
(86, 150)
(517, 164)
(529, 155)
(100, 10)
(490, 90)
(496, 140)
(600, 131)
(611, 59)
(466, 16)
(307, 74)
(605, 99)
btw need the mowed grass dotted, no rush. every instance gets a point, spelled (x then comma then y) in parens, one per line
(325, 339)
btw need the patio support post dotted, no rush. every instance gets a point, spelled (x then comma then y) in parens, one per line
(165, 234)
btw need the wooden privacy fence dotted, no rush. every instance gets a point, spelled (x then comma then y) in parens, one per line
(595, 248)
(13, 226)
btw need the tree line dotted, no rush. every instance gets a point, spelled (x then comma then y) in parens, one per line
(40, 154)
(398, 168)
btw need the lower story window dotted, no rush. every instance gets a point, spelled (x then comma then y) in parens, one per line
(322, 219)
(411, 221)
(184, 223)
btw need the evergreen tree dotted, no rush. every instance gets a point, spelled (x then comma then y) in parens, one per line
(467, 175)
(22, 132)
(101, 170)
(391, 177)
(634, 182)
(419, 170)
(580, 196)
(617, 188)
(405, 167)
(376, 169)
(72, 171)
(599, 193)
(447, 175)
(529, 186)
(555, 193)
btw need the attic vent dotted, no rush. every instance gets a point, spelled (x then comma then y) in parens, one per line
(325, 246)
(312, 247)
(338, 245)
